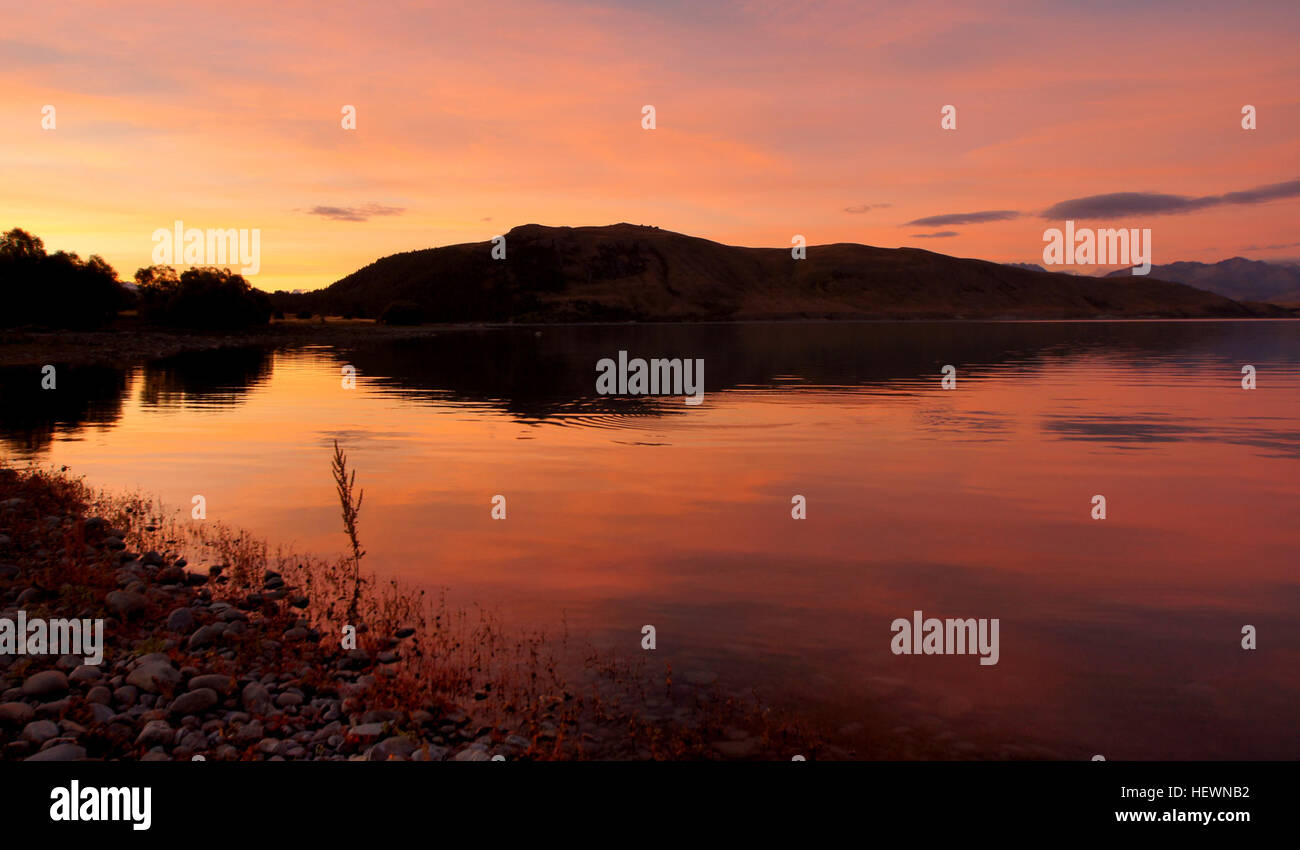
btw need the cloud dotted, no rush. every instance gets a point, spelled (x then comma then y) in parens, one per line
(942, 234)
(1270, 247)
(355, 213)
(861, 208)
(1151, 203)
(964, 218)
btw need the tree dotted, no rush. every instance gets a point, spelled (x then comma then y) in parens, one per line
(210, 298)
(57, 290)
(18, 244)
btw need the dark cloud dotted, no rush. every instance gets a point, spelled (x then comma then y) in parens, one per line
(861, 208)
(964, 218)
(942, 234)
(1150, 203)
(355, 213)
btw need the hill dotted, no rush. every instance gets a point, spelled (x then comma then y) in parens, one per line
(1238, 278)
(625, 272)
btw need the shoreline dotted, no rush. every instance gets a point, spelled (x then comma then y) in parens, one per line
(131, 341)
(236, 661)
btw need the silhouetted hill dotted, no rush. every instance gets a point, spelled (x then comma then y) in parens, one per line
(627, 272)
(1238, 278)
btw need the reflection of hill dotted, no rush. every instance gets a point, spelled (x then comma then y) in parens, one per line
(216, 378)
(533, 373)
(550, 373)
(30, 417)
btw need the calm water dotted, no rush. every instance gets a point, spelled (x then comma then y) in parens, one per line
(1120, 637)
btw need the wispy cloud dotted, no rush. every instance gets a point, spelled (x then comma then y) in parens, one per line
(964, 218)
(862, 208)
(1269, 247)
(941, 234)
(1151, 203)
(364, 213)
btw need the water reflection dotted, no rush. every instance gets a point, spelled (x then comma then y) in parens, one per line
(197, 379)
(547, 375)
(1118, 636)
(82, 396)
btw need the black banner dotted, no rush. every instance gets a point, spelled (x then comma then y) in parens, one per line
(366, 799)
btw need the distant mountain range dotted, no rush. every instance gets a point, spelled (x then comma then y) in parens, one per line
(1238, 278)
(626, 272)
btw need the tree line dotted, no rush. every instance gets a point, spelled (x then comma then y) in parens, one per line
(61, 290)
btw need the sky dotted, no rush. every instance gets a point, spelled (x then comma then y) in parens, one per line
(772, 119)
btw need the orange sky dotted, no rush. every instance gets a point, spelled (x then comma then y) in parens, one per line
(773, 119)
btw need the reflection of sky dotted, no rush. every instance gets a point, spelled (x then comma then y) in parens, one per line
(974, 502)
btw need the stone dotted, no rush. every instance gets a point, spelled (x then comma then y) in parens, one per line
(181, 621)
(16, 714)
(285, 700)
(40, 731)
(397, 746)
(60, 752)
(207, 635)
(255, 699)
(126, 603)
(218, 682)
(86, 673)
(46, 685)
(366, 733)
(100, 694)
(194, 702)
(154, 677)
(155, 733)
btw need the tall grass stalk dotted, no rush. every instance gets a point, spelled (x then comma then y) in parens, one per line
(345, 484)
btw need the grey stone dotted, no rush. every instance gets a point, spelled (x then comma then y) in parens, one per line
(16, 714)
(155, 733)
(86, 673)
(218, 682)
(40, 731)
(60, 752)
(154, 677)
(207, 635)
(180, 621)
(194, 702)
(126, 603)
(255, 698)
(46, 685)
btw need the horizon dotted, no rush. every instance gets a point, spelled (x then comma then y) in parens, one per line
(542, 121)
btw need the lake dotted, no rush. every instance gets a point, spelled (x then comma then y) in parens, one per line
(1119, 636)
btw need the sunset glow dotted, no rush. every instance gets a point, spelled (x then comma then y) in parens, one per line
(820, 119)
